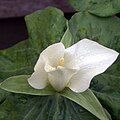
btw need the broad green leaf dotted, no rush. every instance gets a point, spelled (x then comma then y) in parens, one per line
(45, 27)
(24, 107)
(106, 31)
(87, 100)
(3, 95)
(102, 8)
(17, 60)
(19, 84)
(107, 89)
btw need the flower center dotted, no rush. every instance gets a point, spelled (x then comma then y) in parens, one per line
(61, 62)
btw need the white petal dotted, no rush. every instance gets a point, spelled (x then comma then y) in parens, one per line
(38, 79)
(49, 68)
(60, 77)
(92, 59)
(40, 64)
(69, 61)
(51, 55)
(80, 82)
(87, 51)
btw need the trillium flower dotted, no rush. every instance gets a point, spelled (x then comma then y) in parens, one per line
(73, 67)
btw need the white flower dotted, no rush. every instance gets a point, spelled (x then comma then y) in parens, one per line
(73, 67)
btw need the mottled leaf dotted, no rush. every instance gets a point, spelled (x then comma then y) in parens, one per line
(87, 100)
(24, 107)
(19, 84)
(107, 89)
(102, 8)
(45, 27)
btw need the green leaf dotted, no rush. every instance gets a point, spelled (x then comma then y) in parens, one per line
(17, 60)
(45, 27)
(3, 95)
(101, 8)
(87, 100)
(24, 107)
(107, 89)
(19, 84)
(67, 38)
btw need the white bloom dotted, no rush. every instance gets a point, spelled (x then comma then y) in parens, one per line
(73, 67)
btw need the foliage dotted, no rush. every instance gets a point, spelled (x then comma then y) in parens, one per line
(49, 26)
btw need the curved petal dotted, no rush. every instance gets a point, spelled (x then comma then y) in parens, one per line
(49, 68)
(40, 64)
(86, 52)
(38, 79)
(92, 59)
(80, 82)
(51, 55)
(69, 61)
(59, 77)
